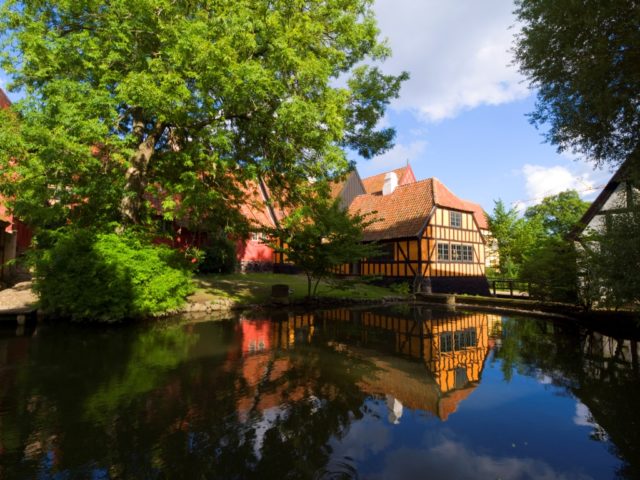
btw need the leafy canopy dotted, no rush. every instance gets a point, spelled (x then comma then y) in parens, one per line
(535, 248)
(320, 236)
(583, 58)
(180, 102)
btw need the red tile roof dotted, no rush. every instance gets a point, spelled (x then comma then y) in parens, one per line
(255, 208)
(404, 212)
(375, 183)
(445, 198)
(4, 100)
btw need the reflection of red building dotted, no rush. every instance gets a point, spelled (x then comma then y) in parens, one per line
(15, 237)
(255, 335)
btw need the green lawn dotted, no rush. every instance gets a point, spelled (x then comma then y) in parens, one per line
(255, 288)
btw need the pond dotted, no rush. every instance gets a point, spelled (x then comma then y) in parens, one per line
(375, 393)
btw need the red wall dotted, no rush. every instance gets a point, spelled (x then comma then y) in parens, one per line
(253, 251)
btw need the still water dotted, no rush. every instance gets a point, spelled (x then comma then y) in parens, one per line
(363, 393)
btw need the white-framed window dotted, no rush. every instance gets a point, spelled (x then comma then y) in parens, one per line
(257, 236)
(443, 251)
(455, 252)
(455, 219)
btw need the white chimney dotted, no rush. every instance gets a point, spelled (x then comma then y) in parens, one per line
(390, 183)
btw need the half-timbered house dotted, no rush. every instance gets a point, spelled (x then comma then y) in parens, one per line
(427, 235)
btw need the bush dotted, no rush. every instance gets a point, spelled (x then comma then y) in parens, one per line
(106, 277)
(401, 288)
(219, 256)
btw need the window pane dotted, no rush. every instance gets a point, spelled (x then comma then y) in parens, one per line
(443, 251)
(465, 338)
(456, 253)
(456, 219)
(446, 342)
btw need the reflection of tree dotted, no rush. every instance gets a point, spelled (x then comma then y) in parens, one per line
(602, 372)
(153, 353)
(143, 403)
(66, 373)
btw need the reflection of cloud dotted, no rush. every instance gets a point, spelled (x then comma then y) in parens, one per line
(451, 459)
(582, 416)
(269, 419)
(366, 437)
(544, 379)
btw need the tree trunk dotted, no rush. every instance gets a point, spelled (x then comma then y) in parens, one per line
(132, 204)
(308, 287)
(315, 287)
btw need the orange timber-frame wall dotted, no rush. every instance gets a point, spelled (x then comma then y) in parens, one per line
(413, 257)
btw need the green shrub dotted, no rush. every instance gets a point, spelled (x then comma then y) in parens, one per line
(107, 277)
(401, 288)
(219, 256)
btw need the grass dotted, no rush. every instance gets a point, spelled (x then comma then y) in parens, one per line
(255, 288)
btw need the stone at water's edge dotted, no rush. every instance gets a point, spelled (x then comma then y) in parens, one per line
(20, 299)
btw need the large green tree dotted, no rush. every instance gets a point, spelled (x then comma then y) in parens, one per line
(535, 248)
(583, 58)
(515, 236)
(130, 103)
(558, 214)
(550, 263)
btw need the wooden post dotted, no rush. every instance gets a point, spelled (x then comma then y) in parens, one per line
(511, 288)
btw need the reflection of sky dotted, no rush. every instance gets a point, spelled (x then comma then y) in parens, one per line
(520, 429)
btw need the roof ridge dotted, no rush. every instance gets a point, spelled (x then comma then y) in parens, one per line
(384, 173)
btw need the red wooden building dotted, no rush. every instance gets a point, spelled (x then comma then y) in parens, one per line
(15, 236)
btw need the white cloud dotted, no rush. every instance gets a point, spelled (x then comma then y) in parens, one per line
(458, 54)
(543, 181)
(394, 158)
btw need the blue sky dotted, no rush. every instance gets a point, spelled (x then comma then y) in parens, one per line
(462, 115)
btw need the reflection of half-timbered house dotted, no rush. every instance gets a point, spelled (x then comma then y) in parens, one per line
(425, 233)
(452, 346)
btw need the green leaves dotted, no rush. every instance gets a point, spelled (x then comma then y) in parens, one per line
(583, 58)
(320, 236)
(172, 93)
(535, 248)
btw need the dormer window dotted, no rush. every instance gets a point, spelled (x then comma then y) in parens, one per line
(455, 219)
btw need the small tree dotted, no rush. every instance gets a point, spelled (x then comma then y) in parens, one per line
(515, 237)
(321, 236)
